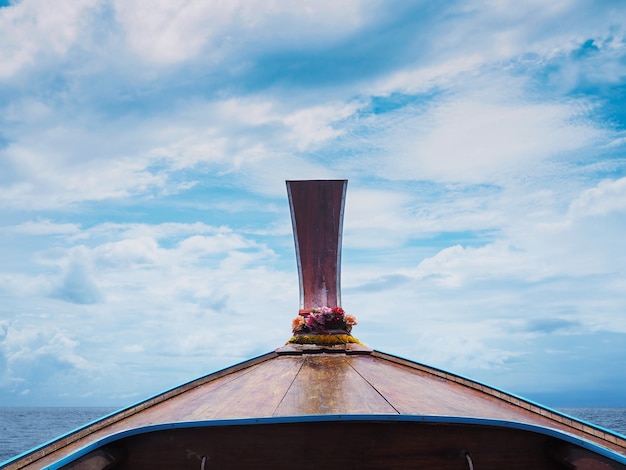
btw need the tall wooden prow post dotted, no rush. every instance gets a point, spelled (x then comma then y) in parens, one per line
(317, 218)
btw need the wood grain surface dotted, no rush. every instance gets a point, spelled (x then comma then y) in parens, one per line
(303, 381)
(317, 217)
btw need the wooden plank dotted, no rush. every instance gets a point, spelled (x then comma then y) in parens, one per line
(327, 384)
(416, 392)
(317, 218)
(256, 394)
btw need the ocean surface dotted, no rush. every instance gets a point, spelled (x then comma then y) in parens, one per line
(22, 429)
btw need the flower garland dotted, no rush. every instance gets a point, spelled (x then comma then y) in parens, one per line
(323, 326)
(323, 319)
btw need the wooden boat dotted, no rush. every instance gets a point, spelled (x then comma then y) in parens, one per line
(325, 400)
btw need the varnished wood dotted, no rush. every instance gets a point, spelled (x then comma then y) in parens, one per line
(328, 384)
(306, 383)
(317, 217)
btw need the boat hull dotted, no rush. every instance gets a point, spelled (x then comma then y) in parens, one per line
(281, 400)
(390, 442)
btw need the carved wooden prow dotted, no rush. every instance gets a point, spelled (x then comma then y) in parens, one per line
(317, 218)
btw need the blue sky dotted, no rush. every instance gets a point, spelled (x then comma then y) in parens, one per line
(145, 236)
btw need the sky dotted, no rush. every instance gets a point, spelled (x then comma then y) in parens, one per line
(145, 234)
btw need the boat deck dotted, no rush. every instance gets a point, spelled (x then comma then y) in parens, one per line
(312, 380)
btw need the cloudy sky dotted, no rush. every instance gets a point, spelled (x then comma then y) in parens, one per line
(145, 237)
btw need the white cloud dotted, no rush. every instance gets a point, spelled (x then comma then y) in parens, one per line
(135, 264)
(459, 266)
(171, 31)
(164, 230)
(72, 161)
(376, 218)
(422, 79)
(77, 282)
(538, 238)
(199, 245)
(607, 197)
(167, 32)
(15, 285)
(476, 141)
(246, 112)
(140, 251)
(505, 29)
(141, 40)
(313, 126)
(46, 227)
(48, 178)
(35, 354)
(32, 29)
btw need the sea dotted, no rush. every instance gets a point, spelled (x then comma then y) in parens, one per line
(22, 429)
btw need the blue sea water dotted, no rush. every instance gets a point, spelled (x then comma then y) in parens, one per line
(613, 419)
(21, 429)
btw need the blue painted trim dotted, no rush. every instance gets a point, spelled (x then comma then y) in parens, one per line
(344, 418)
